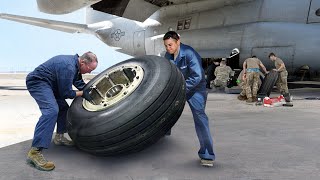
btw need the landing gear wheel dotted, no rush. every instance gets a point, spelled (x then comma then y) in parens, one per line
(267, 84)
(135, 103)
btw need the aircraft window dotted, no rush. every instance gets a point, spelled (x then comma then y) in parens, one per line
(184, 24)
(180, 25)
(318, 12)
(187, 23)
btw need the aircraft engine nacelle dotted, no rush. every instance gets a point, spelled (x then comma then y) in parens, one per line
(63, 7)
(125, 36)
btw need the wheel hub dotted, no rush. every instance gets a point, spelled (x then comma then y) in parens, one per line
(114, 86)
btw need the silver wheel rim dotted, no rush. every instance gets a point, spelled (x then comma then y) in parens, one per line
(117, 84)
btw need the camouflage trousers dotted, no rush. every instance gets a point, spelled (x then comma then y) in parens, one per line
(220, 82)
(252, 84)
(242, 85)
(282, 83)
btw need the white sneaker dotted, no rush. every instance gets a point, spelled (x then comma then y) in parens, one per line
(206, 162)
(60, 140)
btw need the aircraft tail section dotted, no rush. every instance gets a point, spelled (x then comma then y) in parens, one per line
(51, 24)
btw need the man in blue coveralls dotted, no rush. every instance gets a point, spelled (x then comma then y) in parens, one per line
(50, 84)
(189, 63)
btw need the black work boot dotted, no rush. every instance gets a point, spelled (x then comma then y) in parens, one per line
(36, 159)
(288, 99)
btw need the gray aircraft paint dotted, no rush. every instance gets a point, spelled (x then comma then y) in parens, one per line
(255, 27)
(289, 28)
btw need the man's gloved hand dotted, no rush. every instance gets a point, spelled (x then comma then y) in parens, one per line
(86, 95)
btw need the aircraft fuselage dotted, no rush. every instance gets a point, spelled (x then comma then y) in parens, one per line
(289, 28)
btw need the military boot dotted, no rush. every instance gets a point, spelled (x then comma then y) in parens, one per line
(249, 100)
(288, 99)
(36, 159)
(254, 98)
(60, 140)
(242, 98)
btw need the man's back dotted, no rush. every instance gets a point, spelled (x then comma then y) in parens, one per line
(60, 73)
(252, 63)
(222, 75)
(223, 72)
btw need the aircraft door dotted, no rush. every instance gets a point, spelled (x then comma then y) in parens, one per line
(314, 12)
(285, 53)
(139, 43)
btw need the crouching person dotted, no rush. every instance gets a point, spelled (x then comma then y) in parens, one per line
(251, 67)
(222, 73)
(50, 84)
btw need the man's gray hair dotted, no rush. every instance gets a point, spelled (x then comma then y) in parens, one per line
(89, 57)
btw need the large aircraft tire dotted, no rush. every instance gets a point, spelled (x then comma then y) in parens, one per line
(134, 121)
(267, 84)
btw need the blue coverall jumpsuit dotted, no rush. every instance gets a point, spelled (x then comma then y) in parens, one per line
(50, 84)
(189, 63)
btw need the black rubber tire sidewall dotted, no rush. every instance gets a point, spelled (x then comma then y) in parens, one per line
(89, 129)
(267, 84)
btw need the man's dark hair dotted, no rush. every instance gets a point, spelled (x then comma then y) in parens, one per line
(171, 34)
(271, 54)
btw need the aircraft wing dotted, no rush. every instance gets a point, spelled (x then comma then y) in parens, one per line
(140, 10)
(50, 24)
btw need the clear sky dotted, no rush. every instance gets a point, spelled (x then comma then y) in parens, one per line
(23, 47)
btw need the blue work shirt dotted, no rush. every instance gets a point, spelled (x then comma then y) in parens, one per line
(60, 72)
(190, 64)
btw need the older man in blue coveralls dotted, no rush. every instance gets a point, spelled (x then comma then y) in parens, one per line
(50, 84)
(189, 63)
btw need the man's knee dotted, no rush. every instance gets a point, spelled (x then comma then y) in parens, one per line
(51, 111)
(216, 82)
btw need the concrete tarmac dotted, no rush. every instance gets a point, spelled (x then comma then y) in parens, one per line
(251, 142)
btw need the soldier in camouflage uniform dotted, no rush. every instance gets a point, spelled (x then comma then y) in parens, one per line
(241, 81)
(222, 73)
(251, 67)
(282, 83)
